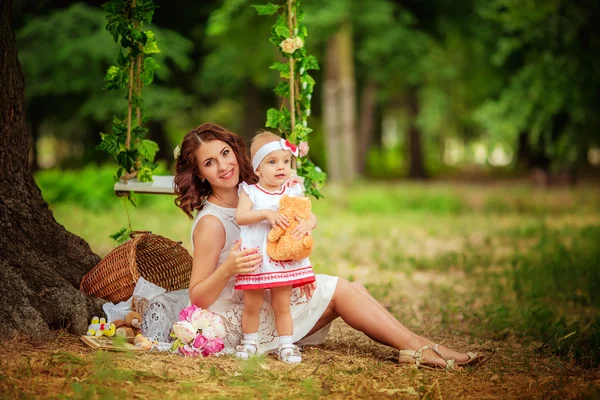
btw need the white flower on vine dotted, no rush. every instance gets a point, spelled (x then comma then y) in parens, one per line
(288, 46)
(299, 42)
(176, 152)
(308, 112)
(304, 85)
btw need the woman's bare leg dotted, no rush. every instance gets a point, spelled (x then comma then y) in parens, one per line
(447, 352)
(362, 312)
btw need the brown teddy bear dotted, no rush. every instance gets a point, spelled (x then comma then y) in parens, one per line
(281, 245)
(130, 327)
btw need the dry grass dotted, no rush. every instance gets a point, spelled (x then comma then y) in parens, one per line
(438, 269)
(348, 365)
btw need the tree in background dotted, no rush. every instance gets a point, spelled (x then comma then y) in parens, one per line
(65, 56)
(549, 52)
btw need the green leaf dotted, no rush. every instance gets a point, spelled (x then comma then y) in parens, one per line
(108, 144)
(148, 149)
(267, 9)
(144, 174)
(272, 118)
(150, 65)
(151, 45)
(310, 62)
(282, 30)
(122, 235)
(283, 89)
(283, 68)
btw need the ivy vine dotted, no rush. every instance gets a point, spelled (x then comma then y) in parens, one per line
(134, 69)
(289, 35)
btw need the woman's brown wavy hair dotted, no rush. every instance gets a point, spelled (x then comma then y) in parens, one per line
(190, 190)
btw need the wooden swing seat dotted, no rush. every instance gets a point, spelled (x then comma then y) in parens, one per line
(163, 184)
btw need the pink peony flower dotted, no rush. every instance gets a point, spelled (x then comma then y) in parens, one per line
(186, 313)
(213, 346)
(188, 350)
(184, 331)
(200, 342)
(303, 149)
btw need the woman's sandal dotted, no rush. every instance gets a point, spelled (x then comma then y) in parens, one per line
(416, 357)
(246, 349)
(289, 354)
(476, 359)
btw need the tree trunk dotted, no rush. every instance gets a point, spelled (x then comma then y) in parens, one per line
(41, 264)
(331, 112)
(347, 99)
(368, 107)
(416, 166)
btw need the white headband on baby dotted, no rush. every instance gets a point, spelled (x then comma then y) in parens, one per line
(271, 147)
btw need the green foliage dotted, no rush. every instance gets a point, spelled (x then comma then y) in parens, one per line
(548, 72)
(134, 154)
(297, 86)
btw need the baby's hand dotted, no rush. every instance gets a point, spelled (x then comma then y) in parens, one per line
(275, 219)
(303, 228)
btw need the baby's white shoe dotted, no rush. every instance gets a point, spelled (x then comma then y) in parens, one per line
(289, 354)
(246, 349)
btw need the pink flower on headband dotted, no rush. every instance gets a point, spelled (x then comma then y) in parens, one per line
(303, 149)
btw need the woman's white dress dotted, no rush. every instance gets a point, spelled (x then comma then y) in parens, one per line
(271, 273)
(163, 310)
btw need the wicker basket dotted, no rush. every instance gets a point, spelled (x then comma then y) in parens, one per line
(158, 259)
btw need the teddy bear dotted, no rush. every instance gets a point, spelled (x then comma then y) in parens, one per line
(130, 326)
(281, 245)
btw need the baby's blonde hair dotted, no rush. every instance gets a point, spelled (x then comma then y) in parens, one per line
(260, 139)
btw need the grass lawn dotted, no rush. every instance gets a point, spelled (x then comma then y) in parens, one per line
(496, 266)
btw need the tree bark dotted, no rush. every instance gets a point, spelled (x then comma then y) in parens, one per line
(347, 99)
(416, 166)
(41, 264)
(368, 107)
(331, 112)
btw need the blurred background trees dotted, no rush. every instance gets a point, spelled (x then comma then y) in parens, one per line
(407, 88)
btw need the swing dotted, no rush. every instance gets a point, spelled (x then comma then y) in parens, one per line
(163, 184)
(288, 36)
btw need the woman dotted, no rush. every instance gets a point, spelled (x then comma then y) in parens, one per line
(209, 168)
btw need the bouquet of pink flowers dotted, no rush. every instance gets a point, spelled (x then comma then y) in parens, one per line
(198, 332)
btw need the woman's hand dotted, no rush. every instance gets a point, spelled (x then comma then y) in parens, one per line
(243, 261)
(308, 290)
(304, 227)
(275, 219)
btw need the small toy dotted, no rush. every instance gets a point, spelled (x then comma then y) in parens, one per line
(106, 329)
(281, 245)
(143, 342)
(130, 326)
(94, 326)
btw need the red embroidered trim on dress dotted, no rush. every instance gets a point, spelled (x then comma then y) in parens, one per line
(271, 193)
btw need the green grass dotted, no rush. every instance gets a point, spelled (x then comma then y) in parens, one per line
(504, 262)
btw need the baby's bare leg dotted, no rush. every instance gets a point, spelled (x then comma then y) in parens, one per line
(280, 301)
(253, 300)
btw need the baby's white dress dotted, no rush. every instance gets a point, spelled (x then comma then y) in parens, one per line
(271, 273)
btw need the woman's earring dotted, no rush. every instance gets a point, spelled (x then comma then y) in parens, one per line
(203, 180)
